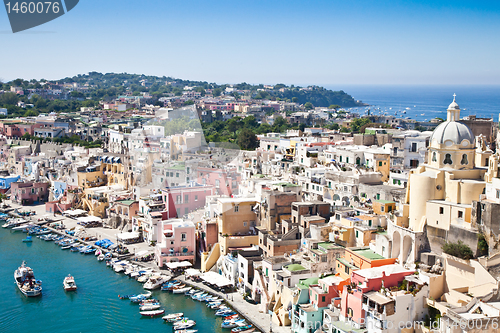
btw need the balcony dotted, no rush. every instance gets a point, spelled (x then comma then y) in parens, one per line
(177, 254)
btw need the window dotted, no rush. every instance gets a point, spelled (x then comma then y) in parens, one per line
(236, 209)
(186, 198)
(413, 147)
(369, 223)
(460, 214)
(383, 250)
(322, 298)
(179, 199)
(464, 160)
(357, 233)
(183, 237)
(498, 194)
(441, 210)
(379, 164)
(347, 159)
(177, 174)
(186, 210)
(447, 159)
(195, 198)
(382, 208)
(245, 224)
(346, 269)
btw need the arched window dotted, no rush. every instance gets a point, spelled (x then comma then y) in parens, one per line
(434, 157)
(447, 159)
(464, 160)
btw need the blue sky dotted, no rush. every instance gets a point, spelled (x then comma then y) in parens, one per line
(293, 42)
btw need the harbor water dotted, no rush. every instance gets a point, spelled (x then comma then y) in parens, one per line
(94, 307)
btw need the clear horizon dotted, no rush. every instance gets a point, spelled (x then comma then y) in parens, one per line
(292, 42)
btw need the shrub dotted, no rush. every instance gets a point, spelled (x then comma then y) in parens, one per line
(458, 249)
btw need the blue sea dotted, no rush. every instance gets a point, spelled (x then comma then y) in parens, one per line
(426, 102)
(94, 307)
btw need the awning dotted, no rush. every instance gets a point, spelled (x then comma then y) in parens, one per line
(88, 219)
(216, 279)
(128, 235)
(142, 254)
(378, 298)
(75, 212)
(174, 265)
(192, 272)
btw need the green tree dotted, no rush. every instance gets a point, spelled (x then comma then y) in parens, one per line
(295, 99)
(9, 98)
(308, 106)
(217, 92)
(247, 140)
(334, 106)
(458, 249)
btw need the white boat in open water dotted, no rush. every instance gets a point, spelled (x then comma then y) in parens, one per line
(69, 283)
(26, 282)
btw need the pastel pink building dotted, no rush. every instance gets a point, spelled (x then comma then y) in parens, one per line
(176, 242)
(182, 200)
(225, 183)
(366, 280)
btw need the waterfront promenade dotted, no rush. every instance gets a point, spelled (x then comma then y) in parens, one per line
(250, 311)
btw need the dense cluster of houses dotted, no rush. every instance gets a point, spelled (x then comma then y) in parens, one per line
(326, 231)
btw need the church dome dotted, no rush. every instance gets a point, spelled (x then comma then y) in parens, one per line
(452, 131)
(453, 106)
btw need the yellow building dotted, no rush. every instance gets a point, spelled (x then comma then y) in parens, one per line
(236, 223)
(439, 196)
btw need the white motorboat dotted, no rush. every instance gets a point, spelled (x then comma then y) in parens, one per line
(170, 317)
(69, 283)
(120, 266)
(150, 307)
(14, 223)
(181, 290)
(26, 282)
(156, 281)
(184, 324)
(24, 227)
(100, 257)
(152, 313)
(145, 277)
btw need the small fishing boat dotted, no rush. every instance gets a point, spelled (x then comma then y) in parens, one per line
(184, 324)
(243, 329)
(232, 323)
(181, 290)
(152, 313)
(171, 316)
(150, 307)
(141, 297)
(28, 239)
(225, 313)
(69, 283)
(231, 317)
(185, 331)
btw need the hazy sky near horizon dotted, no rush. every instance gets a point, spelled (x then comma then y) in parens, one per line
(274, 41)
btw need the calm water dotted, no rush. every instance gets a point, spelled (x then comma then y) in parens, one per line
(94, 307)
(432, 101)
